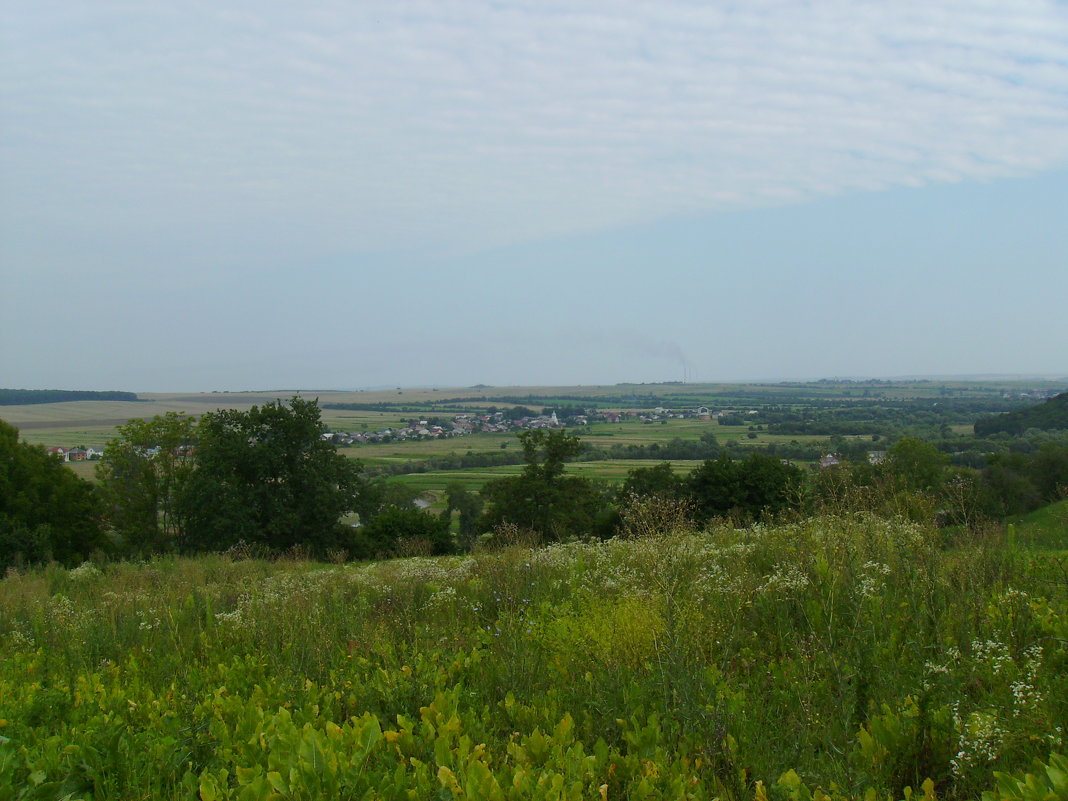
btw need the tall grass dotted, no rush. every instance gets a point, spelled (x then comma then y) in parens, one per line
(859, 653)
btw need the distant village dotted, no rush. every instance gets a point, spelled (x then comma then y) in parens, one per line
(77, 454)
(459, 426)
(429, 427)
(424, 428)
(472, 423)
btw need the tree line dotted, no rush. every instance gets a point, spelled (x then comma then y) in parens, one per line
(17, 397)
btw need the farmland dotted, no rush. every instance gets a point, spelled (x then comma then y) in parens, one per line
(925, 408)
(612, 472)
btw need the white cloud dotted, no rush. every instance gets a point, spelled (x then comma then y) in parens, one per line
(469, 123)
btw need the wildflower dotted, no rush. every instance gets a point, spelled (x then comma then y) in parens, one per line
(84, 572)
(980, 741)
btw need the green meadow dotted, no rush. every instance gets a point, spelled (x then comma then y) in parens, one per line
(828, 658)
(1044, 527)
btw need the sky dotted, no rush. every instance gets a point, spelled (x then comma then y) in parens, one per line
(224, 195)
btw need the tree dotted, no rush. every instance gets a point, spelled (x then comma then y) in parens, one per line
(46, 511)
(919, 465)
(379, 495)
(395, 527)
(759, 485)
(143, 475)
(518, 413)
(648, 481)
(268, 476)
(541, 498)
(469, 507)
(771, 486)
(716, 487)
(1009, 485)
(1049, 468)
(546, 451)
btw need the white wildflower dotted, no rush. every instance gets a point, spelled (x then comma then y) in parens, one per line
(787, 578)
(980, 741)
(84, 572)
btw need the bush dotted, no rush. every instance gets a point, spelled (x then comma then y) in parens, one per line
(396, 529)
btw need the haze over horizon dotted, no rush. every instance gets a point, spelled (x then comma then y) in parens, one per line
(217, 196)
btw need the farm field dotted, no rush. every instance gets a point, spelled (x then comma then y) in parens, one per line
(613, 471)
(598, 436)
(857, 655)
(92, 422)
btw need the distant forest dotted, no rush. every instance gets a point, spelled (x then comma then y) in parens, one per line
(19, 397)
(1050, 415)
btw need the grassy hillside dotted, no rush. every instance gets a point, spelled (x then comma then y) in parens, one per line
(1047, 527)
(853, 654)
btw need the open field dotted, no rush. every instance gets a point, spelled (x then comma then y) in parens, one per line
(854, 654)
(86, 470)
(599, 436)
(92, 423)
(613, 471)
(57, 423)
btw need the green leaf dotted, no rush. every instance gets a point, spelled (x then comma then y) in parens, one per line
(277, 782)
(209, 788)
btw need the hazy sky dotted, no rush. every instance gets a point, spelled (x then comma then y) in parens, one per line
(235, 195)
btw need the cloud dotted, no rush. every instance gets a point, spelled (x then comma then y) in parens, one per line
(468, 124)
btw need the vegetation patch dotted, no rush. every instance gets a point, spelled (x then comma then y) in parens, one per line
(835, 657)
(1050, 415)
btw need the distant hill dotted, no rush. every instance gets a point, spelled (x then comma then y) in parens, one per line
(1050, 414)
(19, 397)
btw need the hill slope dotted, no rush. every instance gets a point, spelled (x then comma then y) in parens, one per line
(1050, 414)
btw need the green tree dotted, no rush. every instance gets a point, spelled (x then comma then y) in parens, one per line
(771, 485)
(759, 485)
(1009, 485)
(378, 495)
(268, 476)
(648, 481)
(468, 505)
(541, 498)
(918, 465)
(545, 453)
(396, 527)
(1049, 471)
(46, 511)
(143, 475)
(716, 487)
